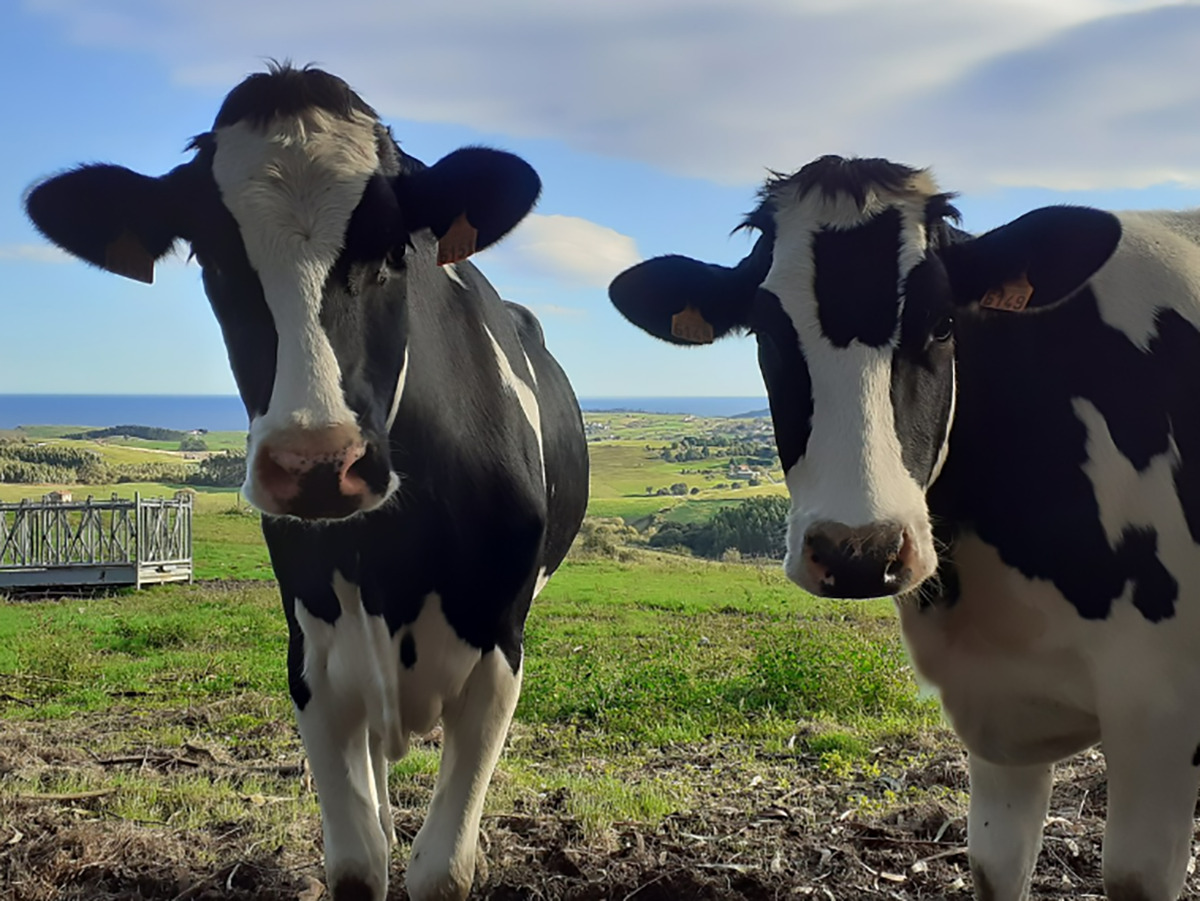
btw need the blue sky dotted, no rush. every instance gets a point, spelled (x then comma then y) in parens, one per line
(651, 123)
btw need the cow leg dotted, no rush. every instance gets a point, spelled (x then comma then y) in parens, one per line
(475, 725)
(379, 771)
(356, 849)
(1152, 782)
(334, 728)
(1004, 826)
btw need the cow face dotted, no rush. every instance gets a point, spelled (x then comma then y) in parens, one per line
(853, 321)
(852, 291)
(312, 230)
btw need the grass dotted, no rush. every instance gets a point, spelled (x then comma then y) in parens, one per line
(622, 659)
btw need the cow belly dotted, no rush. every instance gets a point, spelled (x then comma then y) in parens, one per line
(398, 683)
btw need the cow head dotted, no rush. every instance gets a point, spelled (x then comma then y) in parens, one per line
(852, 290)
(312, 229)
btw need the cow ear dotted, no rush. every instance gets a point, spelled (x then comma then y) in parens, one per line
(469, 199)
(685, 301)
(1033, 262)
(109, 216)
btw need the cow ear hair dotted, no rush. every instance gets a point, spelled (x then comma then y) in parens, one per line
(1033, 262)
(685, 301)
(108, 216)
(469, 199)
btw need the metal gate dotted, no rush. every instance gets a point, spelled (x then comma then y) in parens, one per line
(53, 542)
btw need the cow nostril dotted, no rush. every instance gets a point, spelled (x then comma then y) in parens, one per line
(900, 560)
(353, 476)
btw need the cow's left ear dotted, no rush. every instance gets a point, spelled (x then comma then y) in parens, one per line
(1034, 261)
(469, 199)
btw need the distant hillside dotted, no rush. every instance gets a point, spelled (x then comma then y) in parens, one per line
(753, 414)
(145, 432)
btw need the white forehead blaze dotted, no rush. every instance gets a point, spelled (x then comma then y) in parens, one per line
(292, 186)
(852, 471)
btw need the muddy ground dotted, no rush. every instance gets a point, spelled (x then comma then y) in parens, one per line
(739, 839)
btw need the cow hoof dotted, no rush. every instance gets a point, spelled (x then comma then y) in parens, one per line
(437, 881)
(351, 888)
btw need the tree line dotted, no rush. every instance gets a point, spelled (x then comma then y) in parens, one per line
(757, 527)
(25, 463)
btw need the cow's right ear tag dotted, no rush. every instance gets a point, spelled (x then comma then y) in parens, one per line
(1012, 296)
(458, 243)
(690, 325)
(126, 256)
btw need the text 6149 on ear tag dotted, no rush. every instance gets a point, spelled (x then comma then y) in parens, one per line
(1012, 296)
(690, 325)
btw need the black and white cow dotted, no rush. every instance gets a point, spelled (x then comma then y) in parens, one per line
(1028, 403)
(419, 454)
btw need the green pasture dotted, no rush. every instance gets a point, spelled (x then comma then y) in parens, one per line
(627, 469)
(623, 661)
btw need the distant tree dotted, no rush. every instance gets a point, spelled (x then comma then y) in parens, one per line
(735, 485)
(193, 443)
(753, 481)
(227, 470)
(649, 489)
(679, 488)
(756, 527)
(145, 432)
(95, 472)
(694, 491)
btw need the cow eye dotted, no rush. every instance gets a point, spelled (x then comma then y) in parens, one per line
(943, 330)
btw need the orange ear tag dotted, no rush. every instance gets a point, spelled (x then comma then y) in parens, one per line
(690, 325)
(126, 256)
(458, 243)
(1011, 296)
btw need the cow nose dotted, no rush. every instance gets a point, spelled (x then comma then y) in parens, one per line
(867, 562)
(312, 472)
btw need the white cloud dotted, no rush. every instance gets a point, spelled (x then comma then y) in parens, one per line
(1070, 93)
(569, 249)
(34, 253)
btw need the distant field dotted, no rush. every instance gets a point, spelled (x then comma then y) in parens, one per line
(216, 441)
(228, 541)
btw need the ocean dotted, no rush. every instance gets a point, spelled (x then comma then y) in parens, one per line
(219, 413)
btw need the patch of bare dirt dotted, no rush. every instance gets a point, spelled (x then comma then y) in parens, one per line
(891, 831)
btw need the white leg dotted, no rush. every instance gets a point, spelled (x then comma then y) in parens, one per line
(1152, 783)
(379, 770)
(333, 726)
(356, 850)
(475, 725)
(1004, 826)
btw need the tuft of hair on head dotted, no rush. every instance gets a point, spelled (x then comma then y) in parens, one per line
(854, 177)
(284, 90)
